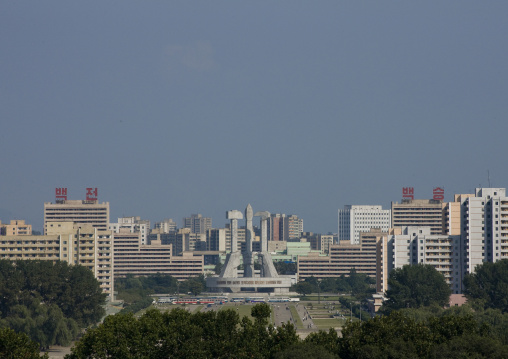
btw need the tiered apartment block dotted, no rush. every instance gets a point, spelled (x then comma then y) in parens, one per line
(343, 257)
(66, 241)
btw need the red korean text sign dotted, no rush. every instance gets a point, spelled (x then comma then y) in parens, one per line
(91, 194)
(408, 192)
(438, 194)
(61, 194)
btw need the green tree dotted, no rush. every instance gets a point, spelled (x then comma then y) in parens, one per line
(328, 285)
(285, 268)
(303, 288)
(328, 340)
(195, 287)
(181, 334)
(487, 287)
(218, 267)
(18, 345)
(414, 287)
(305, 351)
(261, 312)
(343, 285)
(48, 301)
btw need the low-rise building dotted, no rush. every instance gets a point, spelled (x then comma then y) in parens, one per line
(17, 227)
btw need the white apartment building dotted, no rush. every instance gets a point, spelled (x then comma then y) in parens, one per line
(416, 245)
(132, 225)
(484, 227)
(354, 219)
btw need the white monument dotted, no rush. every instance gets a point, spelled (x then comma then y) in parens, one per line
(268, 280)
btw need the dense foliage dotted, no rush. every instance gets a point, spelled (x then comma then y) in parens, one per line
(452, 333)
(285, 268)
(414, 287)
(180, 334)
(18, 345)
(48, 301)
(487, 287)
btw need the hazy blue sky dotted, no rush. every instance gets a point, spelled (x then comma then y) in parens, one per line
(179, 107)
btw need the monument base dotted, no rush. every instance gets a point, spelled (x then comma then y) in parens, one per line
(246, 284)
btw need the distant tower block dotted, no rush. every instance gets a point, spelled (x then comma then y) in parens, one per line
(248, 264)
(268, 281)
(264, 229)
(234, 216)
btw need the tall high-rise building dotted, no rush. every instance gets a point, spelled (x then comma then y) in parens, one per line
(293, 226)
(484, 227)
(275, 226)
(354, 219)
(420, 213)
(77, 211)
(416, 245)
(283, 228)
(216, 239)
(197, 223)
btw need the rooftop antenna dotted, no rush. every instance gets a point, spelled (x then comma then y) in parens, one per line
(488, 177)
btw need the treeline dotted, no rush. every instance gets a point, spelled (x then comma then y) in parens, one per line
(181, 334)
(18, 345)
(136, 291)
(48, 301)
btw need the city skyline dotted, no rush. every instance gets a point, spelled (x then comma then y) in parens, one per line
(171, 109)
(179, 219)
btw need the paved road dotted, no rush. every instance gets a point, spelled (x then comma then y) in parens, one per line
(281, 313)
(304, 314)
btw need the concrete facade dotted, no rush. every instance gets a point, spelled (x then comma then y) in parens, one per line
(419, 213)
(77, 211)
(343, 257)
(354, 219)
(65, 241)
(197, 223)
(133, 225)
(17, 227)
(416, 245)
(166, 225)
(484, 232)
(133, 257)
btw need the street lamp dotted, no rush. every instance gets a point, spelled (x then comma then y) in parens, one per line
(319, 290)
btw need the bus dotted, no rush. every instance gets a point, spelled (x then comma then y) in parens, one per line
(278, 300)
(186, 301)
(255, 300)
(166, 300)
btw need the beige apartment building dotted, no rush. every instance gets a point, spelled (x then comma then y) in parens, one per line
(133, 257)
(343, 257)
(77, 211)
(419, 213)
(76, 244)
(16, 227)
